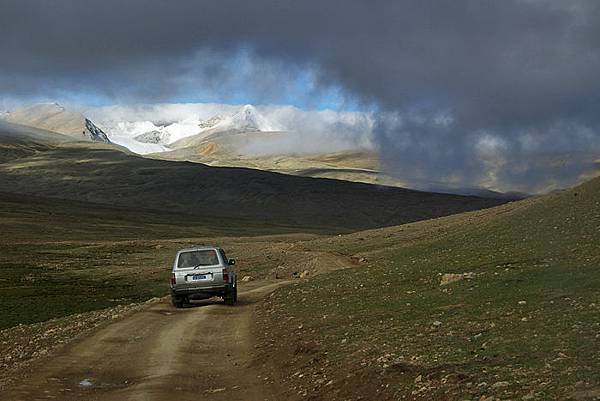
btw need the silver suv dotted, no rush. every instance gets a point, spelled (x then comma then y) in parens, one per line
(200, 273)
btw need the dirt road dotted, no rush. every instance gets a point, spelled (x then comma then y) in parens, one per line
(204, 352)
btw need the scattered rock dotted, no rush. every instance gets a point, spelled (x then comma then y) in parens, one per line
(153, 300)
(592, 394)
(448, 278)
(437, 323)
(216, 390)
(86, 383)
(247, 278)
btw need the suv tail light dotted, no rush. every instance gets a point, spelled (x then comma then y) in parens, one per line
(173, 279)
(225, 275)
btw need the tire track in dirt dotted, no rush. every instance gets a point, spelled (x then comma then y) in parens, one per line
(201, 352)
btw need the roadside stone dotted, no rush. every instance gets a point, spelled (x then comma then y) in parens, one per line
(216, 390)
(86, 383)
(448, 278)
(153, 300)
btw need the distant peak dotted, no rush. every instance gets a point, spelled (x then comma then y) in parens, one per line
(95, 133)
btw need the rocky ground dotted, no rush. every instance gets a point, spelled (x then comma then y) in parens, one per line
(22, 345)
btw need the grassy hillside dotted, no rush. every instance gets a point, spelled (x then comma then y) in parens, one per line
(251, 150)
(348, 166)
(525, 326)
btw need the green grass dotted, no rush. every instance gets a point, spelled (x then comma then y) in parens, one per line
(62, 257)
(29, 294)
(46, 281)
(530, 317)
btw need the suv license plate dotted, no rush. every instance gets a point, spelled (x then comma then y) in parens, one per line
(199, 277)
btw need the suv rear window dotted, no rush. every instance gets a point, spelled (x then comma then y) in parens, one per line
(207, 257)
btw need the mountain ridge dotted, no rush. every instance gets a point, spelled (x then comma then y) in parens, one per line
(84, 172)
(54, 117)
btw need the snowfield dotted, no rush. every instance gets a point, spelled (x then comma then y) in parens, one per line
(145, 129)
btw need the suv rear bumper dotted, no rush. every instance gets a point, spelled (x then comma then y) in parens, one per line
(204, 291)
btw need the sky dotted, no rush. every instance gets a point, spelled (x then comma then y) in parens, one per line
(503, 94)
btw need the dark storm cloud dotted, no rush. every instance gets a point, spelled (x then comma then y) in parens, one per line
(469, 90)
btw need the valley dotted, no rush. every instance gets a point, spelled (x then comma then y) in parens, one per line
(301, 200)
(89, 232)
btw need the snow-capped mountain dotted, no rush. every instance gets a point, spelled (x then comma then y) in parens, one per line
(156, 135)
(95, 133)
(211, 122)
(145, 137)
(247, 119)
(155, 128)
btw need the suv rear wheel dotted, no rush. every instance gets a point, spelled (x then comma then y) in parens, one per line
(230, 297)
(177, 302)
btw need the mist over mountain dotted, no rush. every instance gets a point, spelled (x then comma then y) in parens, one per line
(154, 128)
(474, 93)
(303, 142)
